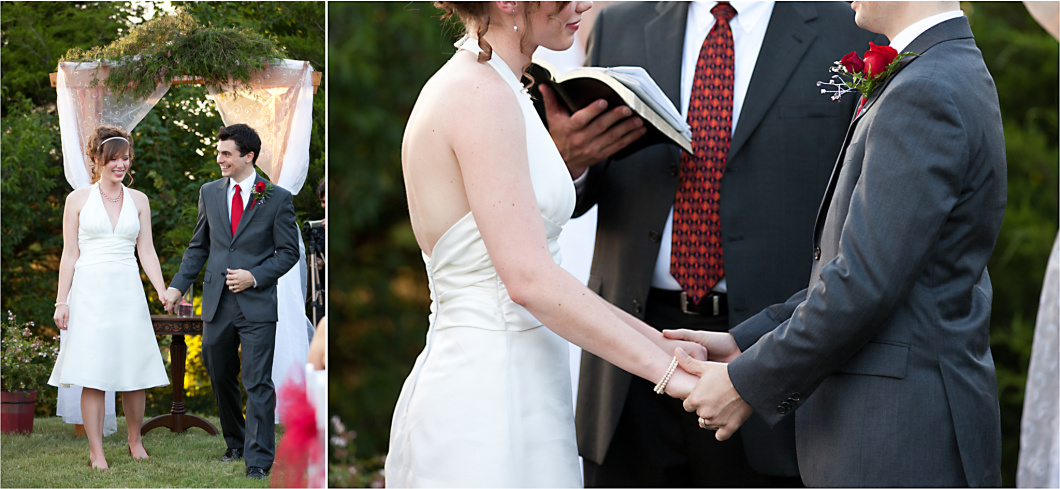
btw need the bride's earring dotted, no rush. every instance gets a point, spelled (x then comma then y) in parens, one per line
(514, 25)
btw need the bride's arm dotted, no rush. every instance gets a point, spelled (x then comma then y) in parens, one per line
(488, 138)
(71, 252)
(145, 245)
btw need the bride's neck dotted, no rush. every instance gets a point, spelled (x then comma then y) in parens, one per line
(109, 186)
(506, 43)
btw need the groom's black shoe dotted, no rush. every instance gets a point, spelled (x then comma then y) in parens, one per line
(232, 454)
(255, 473)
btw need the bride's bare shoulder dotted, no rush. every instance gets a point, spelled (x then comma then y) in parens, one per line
(464, 84)
(77, 198)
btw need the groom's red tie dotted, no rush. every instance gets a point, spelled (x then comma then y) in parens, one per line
(237, 210)
(696, 258)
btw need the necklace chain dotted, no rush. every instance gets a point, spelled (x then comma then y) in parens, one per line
(121, 190)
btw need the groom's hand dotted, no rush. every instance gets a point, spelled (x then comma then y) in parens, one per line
(714, 398)
(171, 299)
(239, 280)
(721, 347)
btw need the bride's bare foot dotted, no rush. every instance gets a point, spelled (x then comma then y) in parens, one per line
(99, 463)
(138, 451)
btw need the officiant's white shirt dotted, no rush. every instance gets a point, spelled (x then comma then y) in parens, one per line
(748, 32)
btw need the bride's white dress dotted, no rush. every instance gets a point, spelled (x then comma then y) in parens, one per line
(488, 402)
(110, 342)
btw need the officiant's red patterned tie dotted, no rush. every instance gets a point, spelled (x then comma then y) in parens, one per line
(237, 210)
(696, 258)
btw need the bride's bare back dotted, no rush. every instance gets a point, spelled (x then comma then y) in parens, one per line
(453, 108)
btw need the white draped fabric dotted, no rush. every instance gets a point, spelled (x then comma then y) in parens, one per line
(279, 107)
(82, 107)
(1039, 456)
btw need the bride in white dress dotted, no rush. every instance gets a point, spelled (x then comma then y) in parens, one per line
(110, 344)
(488, 402)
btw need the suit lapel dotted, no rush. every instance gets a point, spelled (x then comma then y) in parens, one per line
(949, 30)
(221, 195)
(788, 37)
(664, 40)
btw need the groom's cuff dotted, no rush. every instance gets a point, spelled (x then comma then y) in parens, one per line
(174, 288)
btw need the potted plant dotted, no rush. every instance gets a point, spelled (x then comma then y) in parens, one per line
(26, 363)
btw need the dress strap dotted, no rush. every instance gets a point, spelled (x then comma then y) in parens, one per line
(471, 45)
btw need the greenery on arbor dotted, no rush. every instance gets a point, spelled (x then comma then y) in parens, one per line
(381, 54)
(177, 45)
(174, 144)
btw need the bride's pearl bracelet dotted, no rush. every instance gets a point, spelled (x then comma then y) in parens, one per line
(660, 388)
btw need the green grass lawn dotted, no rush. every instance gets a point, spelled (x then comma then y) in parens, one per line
(52, 457)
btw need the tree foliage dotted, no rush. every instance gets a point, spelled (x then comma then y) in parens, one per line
(380, 54)
(1023, 60)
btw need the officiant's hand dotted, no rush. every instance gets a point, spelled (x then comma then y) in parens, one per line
(590, 134)
(171, 299)
(720, 347)
(239, 280)
(714, 399)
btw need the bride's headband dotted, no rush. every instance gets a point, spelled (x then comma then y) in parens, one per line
(111, 139)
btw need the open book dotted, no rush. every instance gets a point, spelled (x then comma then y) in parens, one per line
(623, 85)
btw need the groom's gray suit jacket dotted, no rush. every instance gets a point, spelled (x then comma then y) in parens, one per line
(265, 244)
(781, 155)
(884, 360)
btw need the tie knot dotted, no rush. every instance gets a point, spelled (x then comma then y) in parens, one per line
(723, 12)
(238, 189)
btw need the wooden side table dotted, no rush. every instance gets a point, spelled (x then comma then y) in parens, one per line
(178, 421)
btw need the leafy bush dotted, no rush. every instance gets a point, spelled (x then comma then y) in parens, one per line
(27, 360)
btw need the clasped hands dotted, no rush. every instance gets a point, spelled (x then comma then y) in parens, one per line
(713, 398)
(237, 280)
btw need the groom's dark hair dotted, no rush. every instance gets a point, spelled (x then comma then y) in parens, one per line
(245, 137)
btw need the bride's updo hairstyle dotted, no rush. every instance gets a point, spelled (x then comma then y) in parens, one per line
(476, 15)
(100, 150)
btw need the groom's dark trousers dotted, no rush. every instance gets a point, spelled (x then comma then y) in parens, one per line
(266, 245)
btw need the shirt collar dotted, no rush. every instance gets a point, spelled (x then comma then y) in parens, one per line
(902, 40)
(245, 184)
(748, 13)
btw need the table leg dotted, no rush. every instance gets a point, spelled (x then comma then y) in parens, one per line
(177, 420)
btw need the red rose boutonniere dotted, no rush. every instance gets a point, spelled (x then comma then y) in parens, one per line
(261, 192)
(863, 73)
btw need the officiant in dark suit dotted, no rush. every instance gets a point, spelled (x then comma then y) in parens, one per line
(247, 238)
(884, 359)
(764, 170)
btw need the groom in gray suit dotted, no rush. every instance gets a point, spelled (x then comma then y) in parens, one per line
(884, 360)
(247, 237)
(784, 140)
